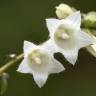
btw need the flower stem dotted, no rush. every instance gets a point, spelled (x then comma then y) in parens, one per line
(10, 63)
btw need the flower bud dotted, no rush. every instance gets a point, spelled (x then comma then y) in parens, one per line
(90, 20)
(63, 10)
(91, 48)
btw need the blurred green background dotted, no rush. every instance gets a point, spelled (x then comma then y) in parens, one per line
(25, 20)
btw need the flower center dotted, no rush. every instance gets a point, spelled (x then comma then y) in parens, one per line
(62, 33)
(38, 57)
(37, 60)
(63, 36)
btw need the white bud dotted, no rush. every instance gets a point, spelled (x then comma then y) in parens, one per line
(63, 10)
(90, 20)
(12, 55)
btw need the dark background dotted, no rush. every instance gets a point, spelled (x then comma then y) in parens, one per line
(25, 20)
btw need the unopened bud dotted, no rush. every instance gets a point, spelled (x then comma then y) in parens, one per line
(63, 10)
(90, 20)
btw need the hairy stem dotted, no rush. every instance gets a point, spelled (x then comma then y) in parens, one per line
(10, 63)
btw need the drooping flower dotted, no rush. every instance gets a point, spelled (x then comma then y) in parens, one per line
(66, 36)
(39, 62)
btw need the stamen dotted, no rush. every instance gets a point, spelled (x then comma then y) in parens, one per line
(37, 60)
(65, 36)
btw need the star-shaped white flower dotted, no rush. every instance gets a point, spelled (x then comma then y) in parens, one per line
(66, 36)
(39, 62)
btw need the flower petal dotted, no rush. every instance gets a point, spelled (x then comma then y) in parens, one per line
(40, 78)
(23, 67)
(52, 25)
(50, 46)
(27, 47)
(84, 39)
(71, 55)
(57, 67)
(74, 19)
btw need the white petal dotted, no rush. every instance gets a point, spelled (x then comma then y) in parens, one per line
(52, 25)
(50, 46)
(84, 39)
(57, 67)
(40, 78)
(27, 47)
(71, 55)
(74, 19)
(23, 67)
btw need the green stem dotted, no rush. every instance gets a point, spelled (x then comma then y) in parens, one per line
(10, 63)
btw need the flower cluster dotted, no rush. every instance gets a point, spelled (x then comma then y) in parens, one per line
(66, 37)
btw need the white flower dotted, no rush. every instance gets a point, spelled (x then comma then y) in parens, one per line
(66, 36)
(39, 62)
